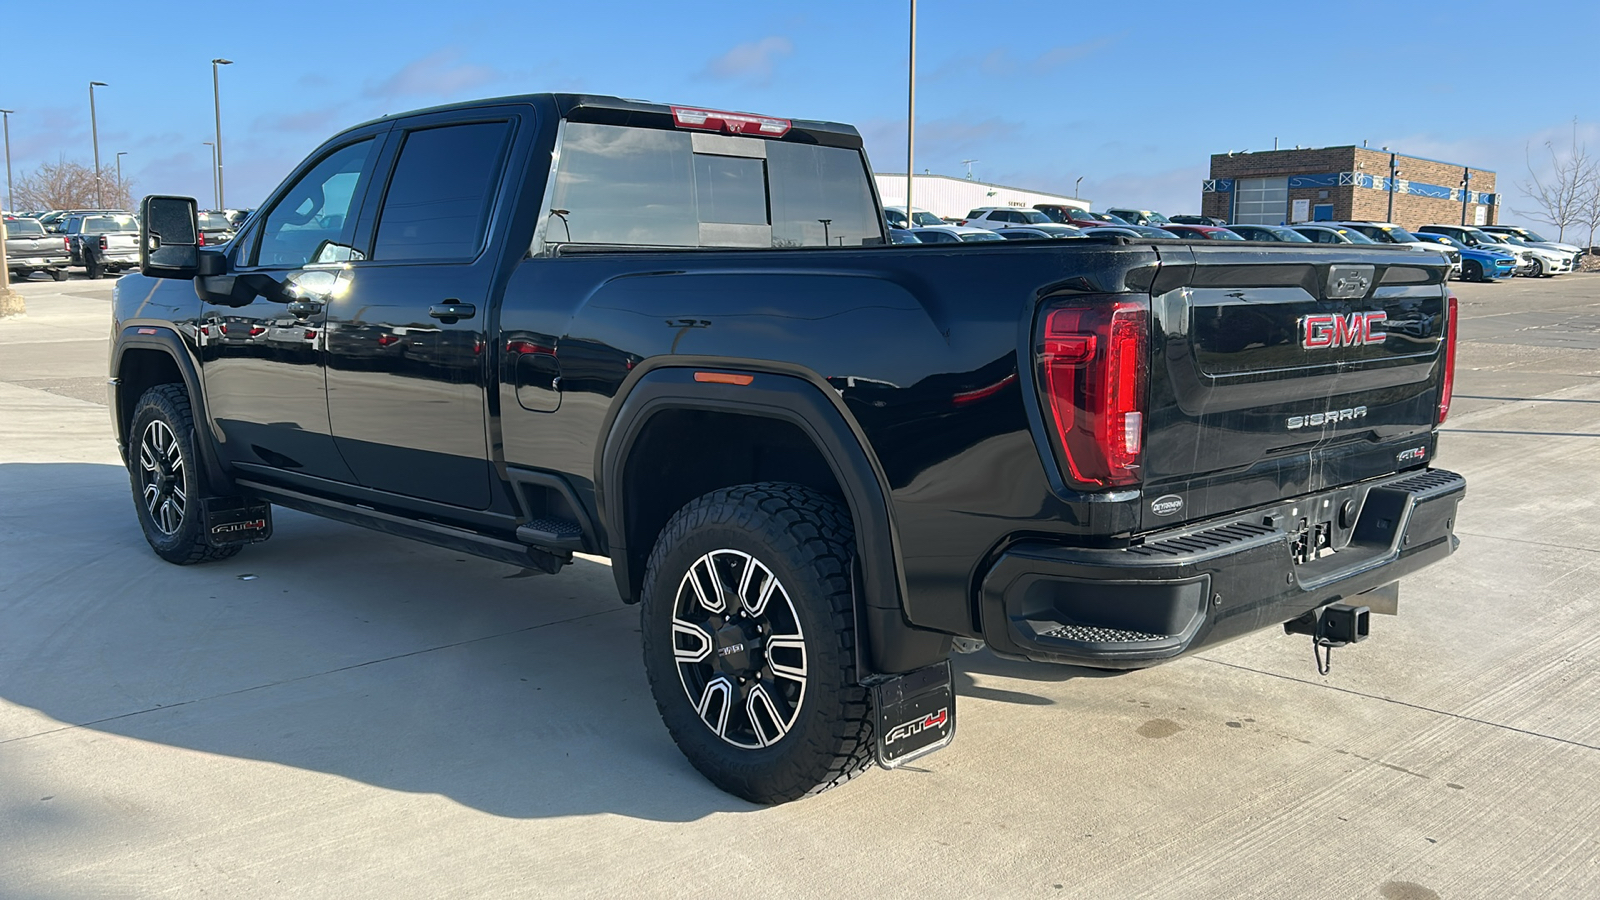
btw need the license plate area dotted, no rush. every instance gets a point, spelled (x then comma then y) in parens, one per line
(234, 520)
(915, 713)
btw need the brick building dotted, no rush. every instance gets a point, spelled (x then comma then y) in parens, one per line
(1270, 187)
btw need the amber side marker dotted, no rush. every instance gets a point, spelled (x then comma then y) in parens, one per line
(723, 378)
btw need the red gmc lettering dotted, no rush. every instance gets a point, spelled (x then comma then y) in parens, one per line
(1327, 330)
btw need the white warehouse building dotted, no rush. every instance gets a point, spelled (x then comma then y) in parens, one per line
(952, 198)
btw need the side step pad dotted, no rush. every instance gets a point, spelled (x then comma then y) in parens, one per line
(563, 535)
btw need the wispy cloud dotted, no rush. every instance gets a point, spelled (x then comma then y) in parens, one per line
(440, 74)
(1002, 62)
(317, 121)
(752, 62)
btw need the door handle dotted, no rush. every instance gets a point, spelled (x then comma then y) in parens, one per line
(451, 311)
(304, 309)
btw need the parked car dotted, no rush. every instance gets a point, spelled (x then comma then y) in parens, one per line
(1038, 232)
(814, 468)
(1202, 233)
(1199, 220)
(954, 234)
(996, 218)
(1472, 236)
(1329, 234)
(1278, 233)
(1534, 239)
(1140, 217)
(215, 228)
(30, 249)
(1476, 263)
(896, 217)
(902, 236)
(237, 217)
(1081, 218)
(1547, 263)
(102, 243)
(1138, 231)
(1390, 233)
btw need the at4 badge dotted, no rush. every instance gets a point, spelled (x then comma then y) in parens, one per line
(915, 713)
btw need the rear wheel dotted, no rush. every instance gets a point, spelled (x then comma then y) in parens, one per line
(58, 274)
(167, 478)
(749, 636)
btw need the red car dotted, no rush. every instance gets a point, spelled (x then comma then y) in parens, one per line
(1081, 218)
(1202, 233)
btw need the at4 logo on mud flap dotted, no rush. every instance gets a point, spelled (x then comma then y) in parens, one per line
(917, 726)
(235, 527)
(1328, 330)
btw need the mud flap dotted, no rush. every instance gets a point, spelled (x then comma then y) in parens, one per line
(235, 520)
(915, 714)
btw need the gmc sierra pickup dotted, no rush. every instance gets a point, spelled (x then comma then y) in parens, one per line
(679, 338)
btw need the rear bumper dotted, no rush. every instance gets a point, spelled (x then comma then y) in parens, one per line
(1210, 582)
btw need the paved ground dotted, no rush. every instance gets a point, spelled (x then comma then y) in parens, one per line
(340, 714)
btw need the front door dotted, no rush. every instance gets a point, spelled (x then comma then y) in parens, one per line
(408, 358)
(261, 337)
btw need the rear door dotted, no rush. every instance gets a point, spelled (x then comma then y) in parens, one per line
(1278, 372)
(408, 351)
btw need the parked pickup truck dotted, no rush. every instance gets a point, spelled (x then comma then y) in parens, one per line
(676, 337)
(103, 243)
(30, 249)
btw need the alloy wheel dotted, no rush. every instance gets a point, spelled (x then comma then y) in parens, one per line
(161, 480)
(739, 649)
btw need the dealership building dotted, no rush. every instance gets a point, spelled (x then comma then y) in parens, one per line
(952, 198)
(1272, 187)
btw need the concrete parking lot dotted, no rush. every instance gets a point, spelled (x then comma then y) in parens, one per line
(337, 713)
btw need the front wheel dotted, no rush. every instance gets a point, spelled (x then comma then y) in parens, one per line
(1472, 271)
(167, 479)
(749, 633)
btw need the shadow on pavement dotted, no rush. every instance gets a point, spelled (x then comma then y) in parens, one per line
(335, 650)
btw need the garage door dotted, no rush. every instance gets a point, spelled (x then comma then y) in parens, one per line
(1261, 201)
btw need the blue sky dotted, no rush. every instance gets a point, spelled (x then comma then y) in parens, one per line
(1132, 97)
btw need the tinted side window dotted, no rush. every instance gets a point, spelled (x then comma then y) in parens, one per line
(437, 205)
(811, 183)
(314, 220)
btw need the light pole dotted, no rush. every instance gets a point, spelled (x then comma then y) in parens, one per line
(11, 202)
(120, 155)
(216, 101)
(214, 198)
(1394, 173)
(94, 130)
(1075, 186)
(911, 109)
(826, 241)
(1466, 191)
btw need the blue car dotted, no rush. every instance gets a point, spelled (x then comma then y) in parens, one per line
(1476, 264)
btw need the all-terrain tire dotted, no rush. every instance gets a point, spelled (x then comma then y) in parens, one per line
(803, 541)
(168, 478)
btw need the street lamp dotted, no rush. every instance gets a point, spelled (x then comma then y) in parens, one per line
(1466, 192)
(11, 202)
(94, 130)
(214, 197)
(216, 100)
(1075, 186)
(120, 155)
(825, 223)
(911, 109)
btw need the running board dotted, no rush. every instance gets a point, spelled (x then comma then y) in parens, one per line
(446, 536)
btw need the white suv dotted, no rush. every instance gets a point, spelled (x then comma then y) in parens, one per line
(999, 218)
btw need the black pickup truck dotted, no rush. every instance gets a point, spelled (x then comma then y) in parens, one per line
(679, 338)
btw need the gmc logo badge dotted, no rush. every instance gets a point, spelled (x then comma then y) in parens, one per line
(1326, 331)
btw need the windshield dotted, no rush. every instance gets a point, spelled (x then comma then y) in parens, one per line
(21, 227)
(1034, 217)
(981, 236)
(1508, 239)
(1288, 235)
(1534, 236)
(1106, 217)
(1400, 235)
(104, 224)
(1223, 236)
(214, 222)
(1356, 237)
(925, 218)
(1158, 218)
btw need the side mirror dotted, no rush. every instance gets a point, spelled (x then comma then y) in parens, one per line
(169, 237)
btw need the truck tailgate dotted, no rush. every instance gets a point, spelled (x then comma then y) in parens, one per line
(1277, 372)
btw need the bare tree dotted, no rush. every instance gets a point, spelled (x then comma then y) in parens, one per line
(1559, 193)
(1589, 204)
(70, 185)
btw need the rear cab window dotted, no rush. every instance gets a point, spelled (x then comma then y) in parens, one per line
(627, 186)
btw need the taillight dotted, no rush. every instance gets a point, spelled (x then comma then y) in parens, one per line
(1446, 392)
(102, 242)
(1094, 365)
(200, 239)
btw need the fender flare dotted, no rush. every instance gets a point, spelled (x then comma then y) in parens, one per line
(796, 396)
(164, 339)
